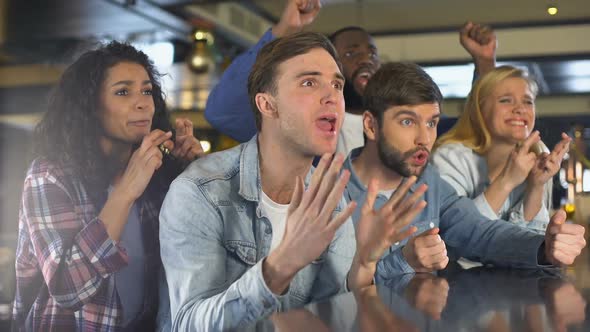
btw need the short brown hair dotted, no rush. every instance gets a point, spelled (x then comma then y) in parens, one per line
(396, 84)
(263, 75)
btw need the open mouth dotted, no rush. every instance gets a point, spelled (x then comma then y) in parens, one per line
(327, 123)
(363, 76)
(420, 158)
(517, 122)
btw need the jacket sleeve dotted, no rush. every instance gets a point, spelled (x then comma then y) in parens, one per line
(228, 105)
(194, 258)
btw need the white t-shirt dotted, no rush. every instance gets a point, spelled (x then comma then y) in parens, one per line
(351, 134)
(277, 215)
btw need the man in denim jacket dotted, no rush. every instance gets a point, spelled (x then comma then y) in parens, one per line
(254, 229)
(403, 109)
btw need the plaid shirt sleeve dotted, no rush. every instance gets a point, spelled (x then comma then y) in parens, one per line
(74, 254)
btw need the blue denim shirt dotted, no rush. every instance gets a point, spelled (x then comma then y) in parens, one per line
(214, 238)
(466, 232)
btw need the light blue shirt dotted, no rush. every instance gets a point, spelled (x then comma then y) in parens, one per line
(214, 237)
(466, 232)
(467, 172)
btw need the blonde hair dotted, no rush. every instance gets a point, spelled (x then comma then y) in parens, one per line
(471, 129)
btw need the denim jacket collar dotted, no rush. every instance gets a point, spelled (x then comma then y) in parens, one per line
(250, 185)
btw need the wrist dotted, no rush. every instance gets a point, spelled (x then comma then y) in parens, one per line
(278, 271)
(122, 195)
(361, 273)
(484, 64)
(504, 184)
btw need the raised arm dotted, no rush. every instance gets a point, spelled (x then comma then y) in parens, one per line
(228, 105)
(481, 43)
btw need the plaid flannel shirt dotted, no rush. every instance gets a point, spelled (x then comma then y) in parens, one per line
(66, 261)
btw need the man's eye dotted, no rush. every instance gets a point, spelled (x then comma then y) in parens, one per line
(406, 122)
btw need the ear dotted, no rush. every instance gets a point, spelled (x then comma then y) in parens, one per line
(370, 126)
(266, 104)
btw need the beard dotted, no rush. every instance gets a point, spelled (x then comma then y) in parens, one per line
(395, 159)
(352, 99)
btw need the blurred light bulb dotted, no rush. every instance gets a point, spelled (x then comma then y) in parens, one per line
(552, 10)
(206, 145)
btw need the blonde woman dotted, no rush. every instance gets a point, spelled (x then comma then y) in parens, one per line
(492, 155)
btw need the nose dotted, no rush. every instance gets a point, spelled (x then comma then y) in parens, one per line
(331, 95)
(424, 135)
(365, 58)
(143, 102)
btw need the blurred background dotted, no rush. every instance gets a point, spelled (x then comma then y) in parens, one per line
(194, 41)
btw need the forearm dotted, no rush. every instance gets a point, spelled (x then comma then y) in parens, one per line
(243, 302)
(497, 193)
(484, 65)
(115, 213)
(361, 273)
(533, 201)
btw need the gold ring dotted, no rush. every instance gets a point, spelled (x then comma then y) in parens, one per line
(164, 149)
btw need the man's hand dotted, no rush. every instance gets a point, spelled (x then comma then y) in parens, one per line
(426, 252)
(428, 293)
(563, 242)
(310, 227)
(379, 230)
(296, 15)
(481, 43)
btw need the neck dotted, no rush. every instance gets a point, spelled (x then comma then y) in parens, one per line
(279, 166)
(496, 158)
(368, 166)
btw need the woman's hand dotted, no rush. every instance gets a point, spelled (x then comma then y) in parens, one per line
(548, 164)
(143, 163)
(186, 146)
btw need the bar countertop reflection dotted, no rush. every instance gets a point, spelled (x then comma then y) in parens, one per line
(476, 299)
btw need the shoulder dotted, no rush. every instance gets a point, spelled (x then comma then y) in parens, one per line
(453, 149)
(455, 154)
(221, 165)
(42, 168)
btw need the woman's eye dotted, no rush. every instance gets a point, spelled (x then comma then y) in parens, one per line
(122, 92)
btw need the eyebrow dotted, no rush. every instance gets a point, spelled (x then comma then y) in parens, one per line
(414, 114)
(129, 82)
(317, 73)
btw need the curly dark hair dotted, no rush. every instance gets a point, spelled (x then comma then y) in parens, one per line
(68, 134)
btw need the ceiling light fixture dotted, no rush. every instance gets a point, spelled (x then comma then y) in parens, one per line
(552, 10)
(200, 59)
